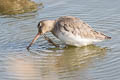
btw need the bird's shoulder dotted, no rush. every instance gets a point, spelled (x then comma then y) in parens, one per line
(67, 20)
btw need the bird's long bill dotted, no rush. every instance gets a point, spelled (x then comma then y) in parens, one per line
(33, 41)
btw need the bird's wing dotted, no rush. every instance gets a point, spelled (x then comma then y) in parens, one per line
(77, 27)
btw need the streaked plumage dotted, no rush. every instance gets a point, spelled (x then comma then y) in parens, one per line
(71, 30)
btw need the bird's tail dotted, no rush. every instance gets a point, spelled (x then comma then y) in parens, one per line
(107, 37)
(102, 36)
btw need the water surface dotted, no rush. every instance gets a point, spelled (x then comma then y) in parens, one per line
(44, 62)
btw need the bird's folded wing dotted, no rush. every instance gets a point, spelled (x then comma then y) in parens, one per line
(78, 27)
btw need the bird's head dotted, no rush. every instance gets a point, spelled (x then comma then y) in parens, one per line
(43, 27)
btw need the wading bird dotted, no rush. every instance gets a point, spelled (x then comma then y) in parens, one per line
(71, 30)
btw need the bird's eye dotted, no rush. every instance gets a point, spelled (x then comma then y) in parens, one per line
(39, 25)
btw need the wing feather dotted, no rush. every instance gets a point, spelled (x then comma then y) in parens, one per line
(78, 27)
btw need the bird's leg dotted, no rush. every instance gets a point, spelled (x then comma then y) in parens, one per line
(66, 46)
(50, 41)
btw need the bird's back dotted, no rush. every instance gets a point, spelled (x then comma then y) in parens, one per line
(77, 27)
(73, 31)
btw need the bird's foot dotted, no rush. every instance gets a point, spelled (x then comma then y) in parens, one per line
(66, 46)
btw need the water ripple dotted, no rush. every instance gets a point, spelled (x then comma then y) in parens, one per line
(44, 61)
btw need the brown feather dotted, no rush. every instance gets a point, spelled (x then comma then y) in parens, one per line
(77, 27)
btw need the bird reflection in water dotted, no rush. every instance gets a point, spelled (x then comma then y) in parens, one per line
(56, 65)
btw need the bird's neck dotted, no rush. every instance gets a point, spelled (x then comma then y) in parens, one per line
(51, 24)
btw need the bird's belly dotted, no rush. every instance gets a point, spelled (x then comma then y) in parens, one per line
(74, 40)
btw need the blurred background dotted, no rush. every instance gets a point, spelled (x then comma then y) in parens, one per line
(18, 26)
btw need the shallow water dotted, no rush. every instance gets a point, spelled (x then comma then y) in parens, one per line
(44, 62)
